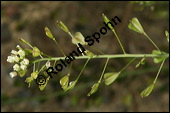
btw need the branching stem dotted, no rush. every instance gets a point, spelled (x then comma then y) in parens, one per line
(107, 56)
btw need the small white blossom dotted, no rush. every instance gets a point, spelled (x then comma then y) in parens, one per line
(13, 74)
(25, 61)
(18, 46)
(21, 54)
(48, 65)
(10, 59)
(14, 52)
(23, 67)
(16, 67)
(16, 58)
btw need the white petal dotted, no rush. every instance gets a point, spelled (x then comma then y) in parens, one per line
(18, 46)
(10, 59)
(16, 58)
(14, 52)
(16, 67)
(23, 67)
(21, 54)
(13, 74)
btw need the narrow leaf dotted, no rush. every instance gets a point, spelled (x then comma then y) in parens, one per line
(110, 77)
(147, 91)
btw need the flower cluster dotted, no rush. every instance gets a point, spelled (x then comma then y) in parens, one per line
(18, 57)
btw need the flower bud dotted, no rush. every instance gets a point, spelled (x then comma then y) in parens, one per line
(62, 26)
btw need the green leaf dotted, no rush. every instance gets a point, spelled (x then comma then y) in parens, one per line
(147, 91)
(167, 35)
(94, 88)
(48, 33)
(28, 51)
(106, 20)
(71, 85)
(43, 86)
(78, 38)
(64, 82)
(158, 59)
(62, 26)
(22, 72)
(136, 26)
(34, 75)
(141, 62)
(110, 77)
(36, 52)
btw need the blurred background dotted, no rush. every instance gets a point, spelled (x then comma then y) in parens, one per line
(28, 19)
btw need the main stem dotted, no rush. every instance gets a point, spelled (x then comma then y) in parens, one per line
(108, 56)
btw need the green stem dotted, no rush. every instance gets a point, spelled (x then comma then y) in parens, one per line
(82, 69)
(43, 67)
(158, 72)
(54, 63)
(119, 41)
(46, 55)
(97, 50)
(103, 70)
(70, 35)
(127, 65)
(108, 56)
(34, 67)
(70, 68)
(59, 47)
(151, 41)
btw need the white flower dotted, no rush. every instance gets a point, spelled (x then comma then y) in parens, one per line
(16, 67)
(16, 58)
(14, 52)
(21, 54)
(13, 74)
(25, 61)
(48, 65)
(23, 67)
(10, 59)
(18, 46)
